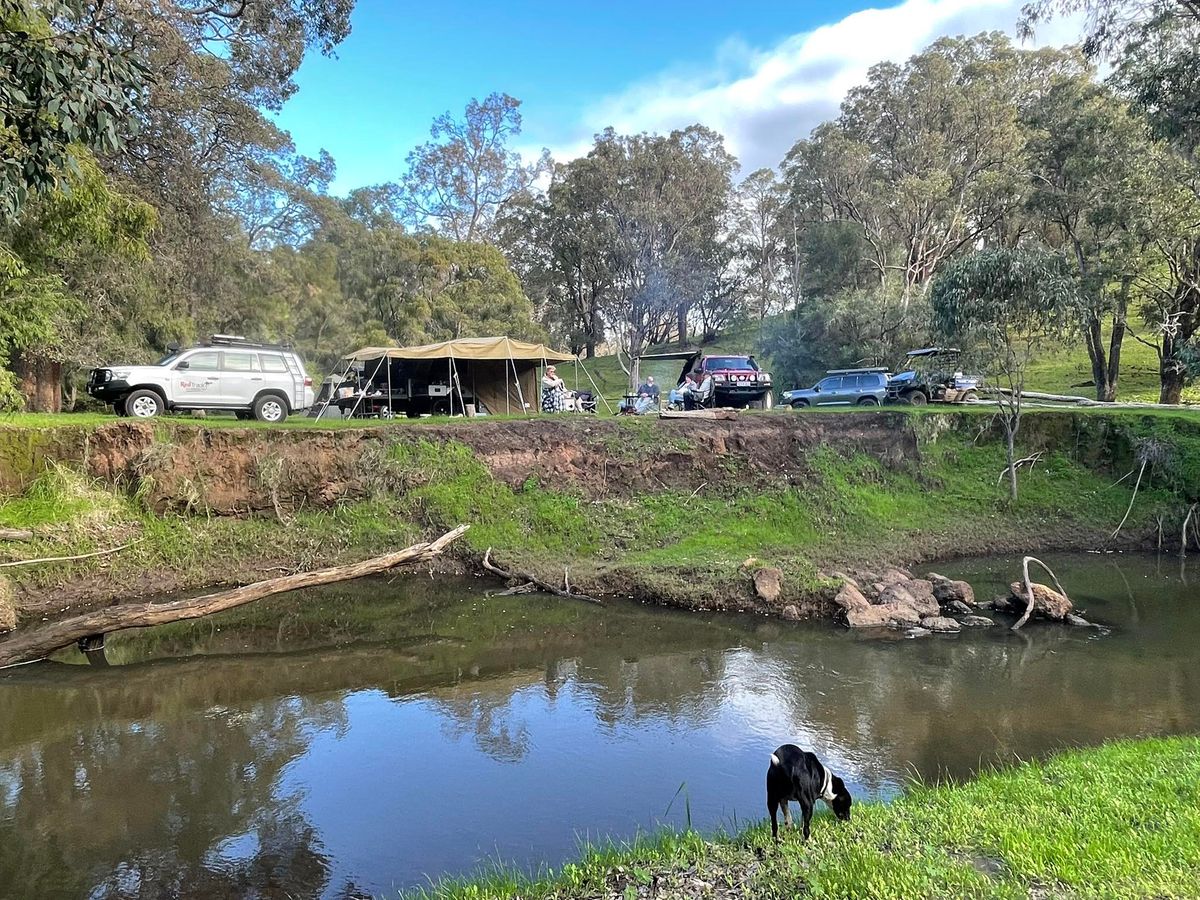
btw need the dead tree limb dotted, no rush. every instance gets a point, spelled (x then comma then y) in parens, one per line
(36, 643)
(50, 559)
(1030, 461)
(15, 534)
(1136, 485)
(1183, 535)
(1029, 589)
(534, 580)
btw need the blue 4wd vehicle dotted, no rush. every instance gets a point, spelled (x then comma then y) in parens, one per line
(842, 387)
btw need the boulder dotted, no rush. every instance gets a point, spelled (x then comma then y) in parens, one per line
(1047, 602)
(850, 597)
(791, 612)
(912, 595)
(948, 591)
(768, 583)
(895, 576)
(940, 624)
(976, 621)
(956, 608)
(888, 615)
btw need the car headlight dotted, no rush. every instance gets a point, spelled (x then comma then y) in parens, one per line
(120, 373)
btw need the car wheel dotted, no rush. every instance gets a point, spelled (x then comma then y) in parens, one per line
(270, 408)
(143, 404)
(916, 398)
(799, 404)
(969, 397)
(868, 401)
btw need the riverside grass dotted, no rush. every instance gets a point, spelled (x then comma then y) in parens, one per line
(1117, 821)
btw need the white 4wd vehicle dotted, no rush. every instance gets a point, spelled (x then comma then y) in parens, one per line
(263, 381)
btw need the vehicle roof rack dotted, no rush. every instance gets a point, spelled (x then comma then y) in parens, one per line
(869, 370)
(237, 340)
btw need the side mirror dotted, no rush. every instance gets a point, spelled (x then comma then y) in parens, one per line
(184, 365)
(817, 389)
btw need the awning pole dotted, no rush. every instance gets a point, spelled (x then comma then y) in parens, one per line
(363, 392)
(391, 402)
(516, 378)
(325, 407)
(579, 362)
(457, 383)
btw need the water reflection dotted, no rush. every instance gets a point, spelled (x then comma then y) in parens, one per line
(359, 738)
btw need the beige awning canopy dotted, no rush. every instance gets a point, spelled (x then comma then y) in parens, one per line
(493, 348)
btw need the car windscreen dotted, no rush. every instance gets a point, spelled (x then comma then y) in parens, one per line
(168, 359)
(736, 363)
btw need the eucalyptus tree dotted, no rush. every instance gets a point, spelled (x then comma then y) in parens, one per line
(1093, 169)
(459, 181)
(1005, 307)
(66, 82)
(664, 199)
(759, 205)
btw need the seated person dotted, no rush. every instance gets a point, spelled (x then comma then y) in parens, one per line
(647, 398)
(678, 395)
(555, 396)
(701, 393)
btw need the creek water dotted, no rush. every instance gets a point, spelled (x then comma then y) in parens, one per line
(366, 737)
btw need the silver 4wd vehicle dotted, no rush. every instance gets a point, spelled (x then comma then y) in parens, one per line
(261, 381)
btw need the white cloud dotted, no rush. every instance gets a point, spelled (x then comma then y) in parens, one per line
(763, 100)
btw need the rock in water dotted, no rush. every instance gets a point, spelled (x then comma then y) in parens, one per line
(940, 624)
(791, 612)
(915, 594)
(956, 608)
(1047, 602)
(917, 632)
(947, 591)
(768, 583)
(976, 621)
(887, 615)
(850, 597)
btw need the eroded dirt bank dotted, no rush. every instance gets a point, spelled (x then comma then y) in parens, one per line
(681, 512)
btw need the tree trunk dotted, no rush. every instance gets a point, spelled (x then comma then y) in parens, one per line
(1171, 371)
(1095, 349)
(1012, 459)
(681, 313)
(36, 643)
(41, 383)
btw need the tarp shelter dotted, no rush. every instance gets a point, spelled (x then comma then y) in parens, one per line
(688, 357)
(499, 371)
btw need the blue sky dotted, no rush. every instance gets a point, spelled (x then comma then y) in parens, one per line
(763, 72)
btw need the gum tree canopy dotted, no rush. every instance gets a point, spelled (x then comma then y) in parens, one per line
(64, 81)
(1004, 306)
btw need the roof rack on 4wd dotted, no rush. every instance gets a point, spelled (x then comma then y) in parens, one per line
(237, 340)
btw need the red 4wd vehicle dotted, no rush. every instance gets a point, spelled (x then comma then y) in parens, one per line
(737, 380)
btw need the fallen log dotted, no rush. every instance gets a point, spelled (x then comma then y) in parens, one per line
(725, 414)
(35, 643)
(528, 580)
(16, 534)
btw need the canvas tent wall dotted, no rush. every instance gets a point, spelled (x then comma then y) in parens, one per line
(499, 371)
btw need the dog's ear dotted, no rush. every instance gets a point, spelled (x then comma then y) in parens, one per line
(841, 799)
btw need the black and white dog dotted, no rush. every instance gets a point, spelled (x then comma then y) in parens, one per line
(798, 775)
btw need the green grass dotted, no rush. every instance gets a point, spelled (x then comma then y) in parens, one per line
(1077, 825)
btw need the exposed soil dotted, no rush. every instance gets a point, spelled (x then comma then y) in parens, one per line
(229, 471)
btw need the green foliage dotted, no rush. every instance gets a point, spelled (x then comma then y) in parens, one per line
(65, 81)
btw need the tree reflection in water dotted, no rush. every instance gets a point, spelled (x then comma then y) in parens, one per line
(185, 769)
